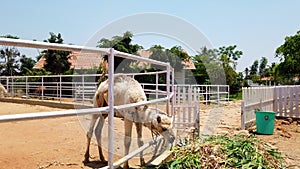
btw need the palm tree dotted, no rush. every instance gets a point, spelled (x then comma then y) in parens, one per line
(9, 63)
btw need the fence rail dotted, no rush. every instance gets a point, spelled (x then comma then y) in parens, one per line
(284, 100)
(74, 88)
(111, 53)
(188, 99)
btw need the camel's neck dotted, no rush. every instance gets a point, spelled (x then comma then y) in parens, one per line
(149, 118)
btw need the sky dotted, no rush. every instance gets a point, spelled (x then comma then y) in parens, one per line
(256, 27)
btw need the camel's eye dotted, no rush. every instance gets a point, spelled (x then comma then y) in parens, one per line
(164, 129)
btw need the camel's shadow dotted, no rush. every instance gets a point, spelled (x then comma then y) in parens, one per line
(100, 164)
(96, 164)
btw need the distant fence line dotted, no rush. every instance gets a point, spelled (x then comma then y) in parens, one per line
(284, 100)
(81, 88)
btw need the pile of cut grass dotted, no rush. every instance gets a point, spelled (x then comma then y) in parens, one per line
(238, 151)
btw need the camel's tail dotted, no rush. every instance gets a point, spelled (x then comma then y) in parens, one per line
(99, 101)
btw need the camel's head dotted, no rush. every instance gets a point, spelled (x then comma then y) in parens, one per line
(162, 124)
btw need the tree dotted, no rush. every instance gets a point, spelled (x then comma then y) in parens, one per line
(263, 66)
(254, 68)
(56, 61)
(289, 55)
(200, 72)
(9, 59)
(9, 66)
(228, 57)
(175, 56)
(26, 65)
(122, 44)
(246, 73)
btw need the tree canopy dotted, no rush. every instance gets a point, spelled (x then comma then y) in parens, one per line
(9, 59)
(289, 55)
(175, 56)
(122, 44)
(56, 61)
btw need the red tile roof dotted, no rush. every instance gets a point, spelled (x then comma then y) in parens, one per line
(78, 60)
(86, 60)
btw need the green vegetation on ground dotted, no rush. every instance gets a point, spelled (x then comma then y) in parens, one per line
(237, 151)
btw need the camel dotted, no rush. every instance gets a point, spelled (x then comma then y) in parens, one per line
(39, 90)
(127, 90)
(3, 91)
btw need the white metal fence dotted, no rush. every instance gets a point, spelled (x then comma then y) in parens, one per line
(59, 87)
(284, 100)
(69, 88)
(53, 87)
(111, 108)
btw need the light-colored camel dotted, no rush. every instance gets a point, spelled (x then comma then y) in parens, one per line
(127, 90)
(39, 90)
(3, 91)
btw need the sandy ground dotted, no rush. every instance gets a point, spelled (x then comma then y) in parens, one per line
(53, 143)
(60, 142)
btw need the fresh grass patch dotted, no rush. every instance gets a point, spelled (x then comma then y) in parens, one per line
(224, 152)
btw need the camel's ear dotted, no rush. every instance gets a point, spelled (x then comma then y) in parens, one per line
(158, 119)
(145, 107)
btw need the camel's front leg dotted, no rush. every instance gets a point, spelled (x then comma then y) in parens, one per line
(98, 133)
(89, 137)
(139, 131)
(127, 140)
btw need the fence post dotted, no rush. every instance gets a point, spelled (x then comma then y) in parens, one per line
(206, 96)
(26, 87)
(260, 105)
(83, 95)
(7, 83)
(174, 96)
(42, 88)
(156, 89)
(228, 93)
(243, 116)
(218, 94)
(60, 88)
(111, 109)
(168, 89)
(12, 87)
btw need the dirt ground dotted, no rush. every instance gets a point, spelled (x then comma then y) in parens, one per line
(286, 137)
(60, 142)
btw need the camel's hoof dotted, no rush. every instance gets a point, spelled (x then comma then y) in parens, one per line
(126, 166)
(102, 159)
(143, 162)
(85, 161)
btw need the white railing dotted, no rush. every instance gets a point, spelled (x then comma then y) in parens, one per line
(188, 99)
(255, 98)
(284, 100)
(111, 108)
(81, 88)
(209, 93)
(72, 88)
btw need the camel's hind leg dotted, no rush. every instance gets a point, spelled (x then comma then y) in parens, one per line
(98, 102)
(139, 130)
(89, 137)
(98, 133)
(127, 140)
